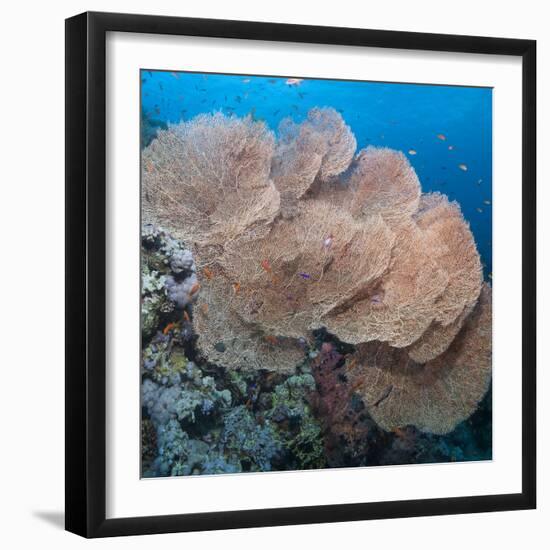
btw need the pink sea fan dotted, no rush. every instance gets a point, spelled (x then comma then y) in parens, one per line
(320, 147)
(207, 180)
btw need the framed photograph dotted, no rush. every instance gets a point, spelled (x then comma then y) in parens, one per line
(300, 274)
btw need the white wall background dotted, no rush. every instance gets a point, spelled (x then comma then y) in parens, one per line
(31, 273)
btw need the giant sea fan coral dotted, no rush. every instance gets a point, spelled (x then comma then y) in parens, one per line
(434, 396)
(295, 234)
(322, 146)
(309, 265)
(208, 179)
(382, 182)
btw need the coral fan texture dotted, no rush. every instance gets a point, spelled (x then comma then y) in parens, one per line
(296, 232)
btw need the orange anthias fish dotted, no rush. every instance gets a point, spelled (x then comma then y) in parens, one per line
(186, 317)
(463, 167)
(208, 273)
(294, 81)
(194, 289)
(352, 364)
(441, 137)
(168, 328)
(271, 340)
(204, 309)
(266, 266)
(236, 287)
(399, 432)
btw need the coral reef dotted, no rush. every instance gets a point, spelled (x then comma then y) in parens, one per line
(292, 234)
(349, 433)
(199, 418)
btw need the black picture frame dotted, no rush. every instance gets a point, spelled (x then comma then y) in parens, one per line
(86, 274)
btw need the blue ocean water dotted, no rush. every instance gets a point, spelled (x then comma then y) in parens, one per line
(445, 131)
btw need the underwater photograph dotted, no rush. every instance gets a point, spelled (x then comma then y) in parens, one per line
(316, 273)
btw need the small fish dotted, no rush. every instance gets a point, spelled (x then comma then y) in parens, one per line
(479, 181)
(304, 275)
(412, 152)
(451, 147)
(204, 309)
(168, 328)
(352, 364)
(161, 86)
(208, 273)
(294, 81)
(376, 299)
(463, 167)
(194, 289)
(186, 317)
(487, 202)
(441, 137)
(266, 266)
(236, 288)
(238, 98)
(272, 80)
(246, 80)
(480, 210)
(273, 340)
(399, 432)
(327, 243)
(175, 75)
